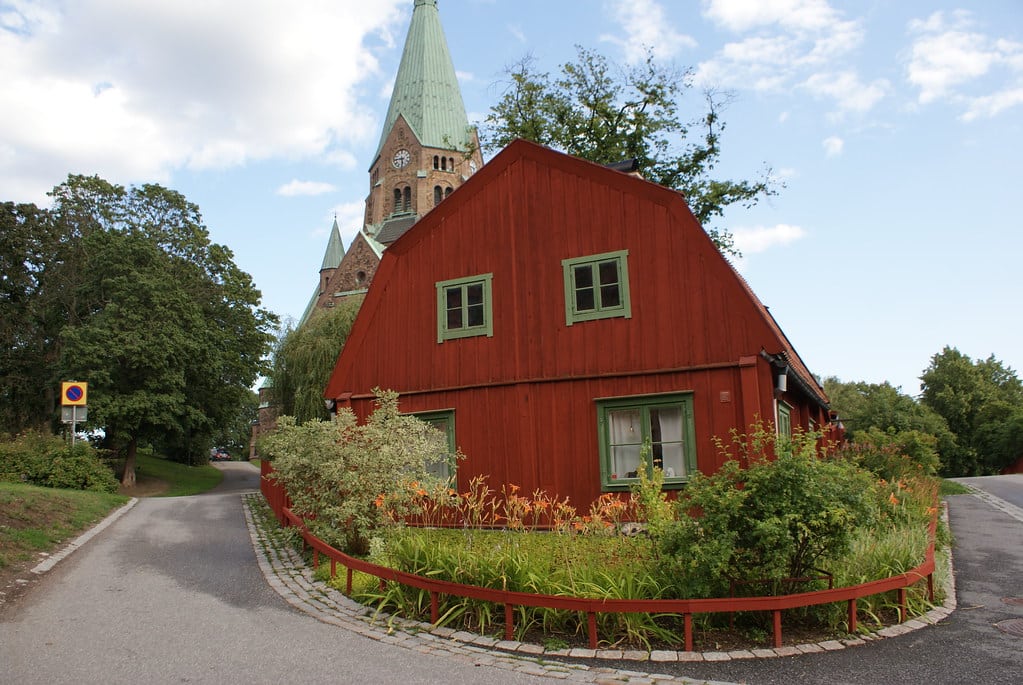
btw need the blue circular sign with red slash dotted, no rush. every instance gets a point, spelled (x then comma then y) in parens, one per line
(74, 394)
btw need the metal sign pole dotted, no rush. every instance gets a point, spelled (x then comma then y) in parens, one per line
(74, 423)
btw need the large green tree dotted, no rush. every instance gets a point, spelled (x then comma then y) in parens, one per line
(159, 320)
(26, 246)
(305, 357)
(982, 401)
(605, 113)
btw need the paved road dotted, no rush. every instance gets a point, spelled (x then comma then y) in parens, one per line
(171, 593)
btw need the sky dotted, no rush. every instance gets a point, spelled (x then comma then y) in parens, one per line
(895, 127)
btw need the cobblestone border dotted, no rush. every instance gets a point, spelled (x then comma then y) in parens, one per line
(287, 573)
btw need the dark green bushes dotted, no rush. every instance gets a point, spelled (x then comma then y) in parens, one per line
(773, 520)
(48, 461)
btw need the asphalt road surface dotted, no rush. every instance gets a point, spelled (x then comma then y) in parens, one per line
(171, 593)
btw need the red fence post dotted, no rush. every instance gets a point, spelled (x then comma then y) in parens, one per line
(434, 608)
(688, 620)
(777, 627)
(902, 604)
(591, 628)
(348, 583)
(509, 622)
(852, 615)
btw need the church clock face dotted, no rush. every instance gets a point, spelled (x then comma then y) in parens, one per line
(401, 159)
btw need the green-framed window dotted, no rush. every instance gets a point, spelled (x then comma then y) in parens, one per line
(444, 421)
(597, 287)
(464, 308)
(784, 419)
(625, 424)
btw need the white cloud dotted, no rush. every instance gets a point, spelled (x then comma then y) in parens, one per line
(781, 44)
(949, 61)
(833, 146)
(988, 106)
(762, 238)
(756, 239)
(744, 15)
(847, 90)
(173, 85)
(295, 187)
(646, 28)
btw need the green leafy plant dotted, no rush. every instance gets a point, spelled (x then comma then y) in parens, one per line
(771, 521)
(348, 479)
(49, 461)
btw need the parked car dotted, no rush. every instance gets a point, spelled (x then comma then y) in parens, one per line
(218, 454)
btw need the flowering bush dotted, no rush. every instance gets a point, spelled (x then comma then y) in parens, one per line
(348, 479)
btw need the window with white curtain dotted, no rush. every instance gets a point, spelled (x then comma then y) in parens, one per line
(664, 422)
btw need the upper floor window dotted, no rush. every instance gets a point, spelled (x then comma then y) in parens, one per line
(597, 287)
(464, 308)
(437, 195)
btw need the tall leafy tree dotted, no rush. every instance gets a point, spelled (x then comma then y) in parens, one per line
(871, 410)
(158, 319)
(26, 388)
(982, 401)
(305, 357)
(598, 111)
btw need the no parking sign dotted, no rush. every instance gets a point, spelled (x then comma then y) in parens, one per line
(74, 394)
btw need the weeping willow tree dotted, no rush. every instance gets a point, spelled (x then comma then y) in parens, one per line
(305, 357)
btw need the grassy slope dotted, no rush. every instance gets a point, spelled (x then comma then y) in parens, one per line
(35, 519)
(181, 479)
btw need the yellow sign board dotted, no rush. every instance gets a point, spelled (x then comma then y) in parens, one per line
(74, 394)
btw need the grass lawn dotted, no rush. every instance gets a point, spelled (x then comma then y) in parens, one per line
(163, 478)
(35, 519)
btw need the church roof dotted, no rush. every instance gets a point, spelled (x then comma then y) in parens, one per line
(426, 91)
(395, 227)
(335, 251)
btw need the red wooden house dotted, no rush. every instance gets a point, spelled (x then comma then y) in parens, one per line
(553, 314)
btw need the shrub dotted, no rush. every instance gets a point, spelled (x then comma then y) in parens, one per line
(340, 474)
(771, 521)
(894, 455)
(48, 461)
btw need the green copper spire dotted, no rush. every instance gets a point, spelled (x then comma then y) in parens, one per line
(335, 249)
(426, 89)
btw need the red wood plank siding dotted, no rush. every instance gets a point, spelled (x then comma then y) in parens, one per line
(524, 398)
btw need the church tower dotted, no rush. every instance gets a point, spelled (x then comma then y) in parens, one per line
(427, 148)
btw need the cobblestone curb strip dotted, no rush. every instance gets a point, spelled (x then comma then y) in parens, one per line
(287, 573)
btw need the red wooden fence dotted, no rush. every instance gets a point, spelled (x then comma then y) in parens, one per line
(278, 501)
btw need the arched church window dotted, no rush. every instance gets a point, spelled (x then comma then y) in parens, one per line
(448, 191)
(437, 195)
(397, 200)
(443, 163)
(451, 163)
(436, 162)
(408, 199)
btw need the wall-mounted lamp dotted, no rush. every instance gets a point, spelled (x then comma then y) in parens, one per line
(782, 382)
